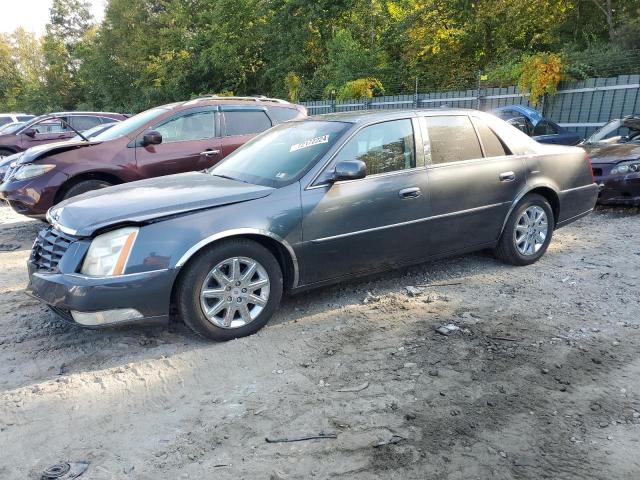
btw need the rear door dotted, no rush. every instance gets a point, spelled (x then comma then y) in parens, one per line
(356, 226)
(240, 124)
(189, 143)
(473, 180)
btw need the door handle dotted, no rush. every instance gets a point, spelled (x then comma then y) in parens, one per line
(507, 177)
(411, 192)
(208, 153)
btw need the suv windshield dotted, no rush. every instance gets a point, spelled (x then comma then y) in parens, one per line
(281, 155)
(130, 125)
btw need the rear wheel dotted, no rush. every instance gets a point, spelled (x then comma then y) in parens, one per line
(230, 290)
(84, 187)
(528, 231)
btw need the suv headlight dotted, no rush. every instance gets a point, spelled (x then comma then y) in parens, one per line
(626, 167)
(31, 170)
(108, 253)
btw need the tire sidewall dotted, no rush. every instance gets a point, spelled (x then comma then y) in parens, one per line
(84, 187)
(528, 201)
(197, 271)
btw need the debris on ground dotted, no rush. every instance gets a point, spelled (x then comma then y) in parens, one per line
(357, 388)
(320, 436)
(447, 329)
(64, 471)
(413, 291)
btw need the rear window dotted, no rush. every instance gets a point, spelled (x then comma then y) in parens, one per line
(283, 114)
(246, 122)
(452, 138)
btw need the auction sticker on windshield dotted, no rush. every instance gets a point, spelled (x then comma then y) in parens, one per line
(309, 143)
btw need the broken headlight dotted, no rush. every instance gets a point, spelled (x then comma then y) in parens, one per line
(626, 167)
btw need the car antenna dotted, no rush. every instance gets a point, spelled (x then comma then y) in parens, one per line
(69, 125)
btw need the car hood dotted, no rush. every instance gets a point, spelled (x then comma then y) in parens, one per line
(612, 152)
(145, 200)
(47, 149)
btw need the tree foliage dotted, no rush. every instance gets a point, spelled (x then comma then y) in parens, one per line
(148, 52)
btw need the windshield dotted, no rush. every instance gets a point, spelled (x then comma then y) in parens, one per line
(281, 155)
(11, 127)
(130, 125)
(95, 131)
(607, 130)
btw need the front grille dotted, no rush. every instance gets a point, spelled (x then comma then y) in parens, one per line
(48, 249)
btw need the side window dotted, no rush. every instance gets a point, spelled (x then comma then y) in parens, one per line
(493, 147)
(384, 147)
(452, 139)
(5, 120)
(51, 125)
(84, 122)
(107, 120)
(191, 126)
(246, 122)
(282, 114)
(544, 128)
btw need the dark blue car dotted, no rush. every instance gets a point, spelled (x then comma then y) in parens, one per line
(532, 123)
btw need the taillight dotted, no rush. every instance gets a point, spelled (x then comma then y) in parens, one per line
(588, 159)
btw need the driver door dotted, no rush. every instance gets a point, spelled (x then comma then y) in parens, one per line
(361, 225)
(189, 143)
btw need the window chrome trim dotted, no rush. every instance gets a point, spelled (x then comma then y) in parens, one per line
(243, 231)
(410, 222)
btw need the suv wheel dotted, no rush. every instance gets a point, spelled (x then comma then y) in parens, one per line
(230, 290)
(84, 187)
(528, 231)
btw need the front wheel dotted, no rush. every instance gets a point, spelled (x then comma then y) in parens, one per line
(84, 187)
(528, 231)
(230, 290)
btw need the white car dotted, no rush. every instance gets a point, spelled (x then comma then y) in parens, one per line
(14, 117)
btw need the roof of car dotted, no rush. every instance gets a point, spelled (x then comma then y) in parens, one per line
(259, 100)
(362, 116)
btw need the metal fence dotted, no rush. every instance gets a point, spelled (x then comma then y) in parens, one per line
(580, 106)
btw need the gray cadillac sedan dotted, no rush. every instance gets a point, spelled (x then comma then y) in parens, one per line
(305, 204)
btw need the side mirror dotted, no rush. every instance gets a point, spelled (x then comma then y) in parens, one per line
(30, 132)
(350, 170)
(152, 137)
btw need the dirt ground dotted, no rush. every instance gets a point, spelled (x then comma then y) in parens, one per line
(541, 380)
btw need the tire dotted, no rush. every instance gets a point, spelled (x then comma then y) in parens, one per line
(517, 228)
(84, 187)
(199, 272)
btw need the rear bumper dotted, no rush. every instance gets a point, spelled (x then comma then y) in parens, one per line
(576, 203)
(104, 301)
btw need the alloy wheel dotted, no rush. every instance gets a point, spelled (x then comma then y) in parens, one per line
(531, 230)
(235, 292)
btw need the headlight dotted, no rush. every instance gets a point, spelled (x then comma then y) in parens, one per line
(626, 167)
(31, 170)
(109, 253)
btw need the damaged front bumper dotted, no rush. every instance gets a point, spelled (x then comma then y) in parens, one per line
(619, 189)
(104, 301)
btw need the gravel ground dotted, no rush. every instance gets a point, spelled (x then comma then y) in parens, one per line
(541, 380)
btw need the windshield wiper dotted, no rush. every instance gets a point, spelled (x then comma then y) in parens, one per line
(228, 177)
(69, 125)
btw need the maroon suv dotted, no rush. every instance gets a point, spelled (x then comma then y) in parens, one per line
(53, 127)
(174, 138)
